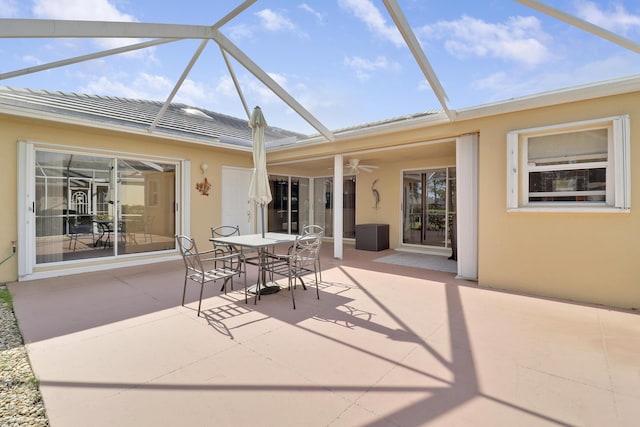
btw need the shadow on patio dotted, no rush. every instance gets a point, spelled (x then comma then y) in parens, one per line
(384, 345)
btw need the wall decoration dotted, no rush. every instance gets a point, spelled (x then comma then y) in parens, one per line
(376, 194)
(203, 187)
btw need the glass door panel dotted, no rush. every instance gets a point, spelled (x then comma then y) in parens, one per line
(278, 209)
(323, 205)
(429, 206)
(289, 209)
(90, 206)
(66, 206)
(146, 220)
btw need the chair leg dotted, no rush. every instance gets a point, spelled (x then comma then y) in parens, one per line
(293, 298)
(200, 302)
(319, 269)
(246, 299)
(184, 289)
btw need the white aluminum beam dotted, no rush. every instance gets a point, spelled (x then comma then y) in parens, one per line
(235, 12)
(584, 25)
(254, 69)
(418, 53)
(195, 57)
(62, 63)
(51, 28)
(184, 75)
(235, 82)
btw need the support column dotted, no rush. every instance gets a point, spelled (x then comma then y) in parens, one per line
(467, 205)
(338, 180)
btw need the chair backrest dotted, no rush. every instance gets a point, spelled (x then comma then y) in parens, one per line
(312, 229)
(306, 249)
(225, 231)
(189, 252)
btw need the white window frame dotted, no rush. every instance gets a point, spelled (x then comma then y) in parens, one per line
(27, 268)
(618, 175)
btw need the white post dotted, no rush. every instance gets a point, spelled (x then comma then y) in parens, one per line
(337, 206)
(467, 205)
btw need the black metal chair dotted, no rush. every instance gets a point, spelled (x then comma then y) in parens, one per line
(76, 230)
(219, 266)
(301, 260)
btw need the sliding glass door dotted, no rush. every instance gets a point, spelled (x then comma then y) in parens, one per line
(289, 210)
(429, 206)
(92, 206)
(323, 205)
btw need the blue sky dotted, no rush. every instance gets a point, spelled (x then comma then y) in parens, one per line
(343, 60)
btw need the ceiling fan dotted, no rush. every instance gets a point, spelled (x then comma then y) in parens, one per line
(353, 167)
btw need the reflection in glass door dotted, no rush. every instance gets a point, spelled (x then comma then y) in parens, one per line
(91, 206)
(429, 207)
(288, 212)
(323, 206)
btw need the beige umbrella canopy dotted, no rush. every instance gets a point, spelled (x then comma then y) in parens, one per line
(259, 189)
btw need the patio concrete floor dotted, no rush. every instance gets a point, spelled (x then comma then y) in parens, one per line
(385, 345)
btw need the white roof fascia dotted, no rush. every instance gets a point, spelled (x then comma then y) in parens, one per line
(579, 93)
(52, 28)
(584, 25)
(418, 53)
(59, 118)
(546, 99)
(372, 130)
(62, 63)
(254, 69)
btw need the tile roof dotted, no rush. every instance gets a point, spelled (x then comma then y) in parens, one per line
(179, 119)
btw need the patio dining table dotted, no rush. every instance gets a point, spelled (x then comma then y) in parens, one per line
(257, 241)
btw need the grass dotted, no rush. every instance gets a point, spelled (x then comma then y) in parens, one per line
(5, 296)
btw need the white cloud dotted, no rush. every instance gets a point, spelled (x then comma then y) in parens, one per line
(505, 85)
(238, 32)
(226, 87)
(371, 16)
(364, 68)
(520, 39)
(86, 10)
(31, 59)
(192, 93)
(319, 16)
(274, 21)
(8, 8)
(617, 19)
(142, 86)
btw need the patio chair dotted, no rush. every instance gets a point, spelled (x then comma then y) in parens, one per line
(76, 229)
(301, 260)
(250, 257)
(220, 266)
(314, 229)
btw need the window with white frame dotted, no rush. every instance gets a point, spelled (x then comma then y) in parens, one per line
(573, 166)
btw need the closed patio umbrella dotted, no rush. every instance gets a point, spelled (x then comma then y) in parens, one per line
(259, 189)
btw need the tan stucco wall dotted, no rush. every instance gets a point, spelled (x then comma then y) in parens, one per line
(205, 210)
(586, 257)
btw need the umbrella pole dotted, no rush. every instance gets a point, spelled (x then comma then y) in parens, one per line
(262, 210)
